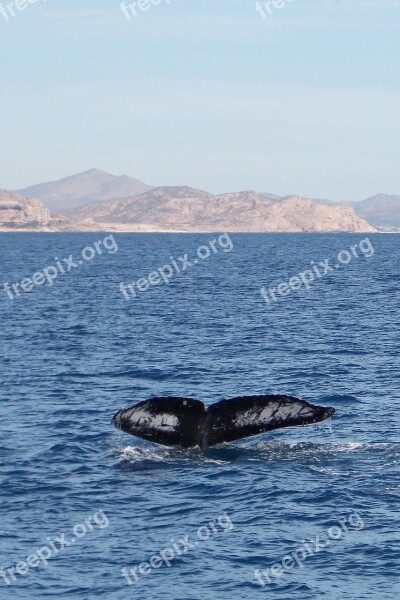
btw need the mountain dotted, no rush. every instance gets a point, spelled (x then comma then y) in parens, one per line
(189, 209)
(271, 196)
(90, 186)
(18, 212)
(382, 211)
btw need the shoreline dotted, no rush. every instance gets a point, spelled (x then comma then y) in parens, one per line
(185, 231)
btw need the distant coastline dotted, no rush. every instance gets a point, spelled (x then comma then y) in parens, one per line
(95, 201)
(193, 232)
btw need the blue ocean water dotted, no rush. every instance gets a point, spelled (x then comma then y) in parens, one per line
(74, 352)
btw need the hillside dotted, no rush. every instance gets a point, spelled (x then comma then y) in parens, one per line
(189, 209)
(381, 210)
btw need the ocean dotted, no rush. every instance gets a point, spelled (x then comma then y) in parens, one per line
(89, 512)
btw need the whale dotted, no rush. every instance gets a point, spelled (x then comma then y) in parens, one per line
(188, 423)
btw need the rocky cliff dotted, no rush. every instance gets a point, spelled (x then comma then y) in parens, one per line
(20, 213)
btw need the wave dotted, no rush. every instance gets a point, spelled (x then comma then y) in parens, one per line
(272, 450)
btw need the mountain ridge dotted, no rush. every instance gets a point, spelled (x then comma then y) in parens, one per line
(97, 200)
(68, 193)
(184, 208)
(381, 210)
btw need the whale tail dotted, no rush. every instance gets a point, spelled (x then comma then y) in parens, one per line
(187, 423)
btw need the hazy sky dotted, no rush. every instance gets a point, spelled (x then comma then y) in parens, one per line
(206, 93)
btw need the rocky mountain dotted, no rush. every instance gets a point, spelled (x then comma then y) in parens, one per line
(382, 211)
(18, 212)
(90, 186)
(189, 209)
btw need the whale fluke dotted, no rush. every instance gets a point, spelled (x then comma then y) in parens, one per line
(174, 421)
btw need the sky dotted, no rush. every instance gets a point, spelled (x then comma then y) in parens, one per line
(214, 94)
